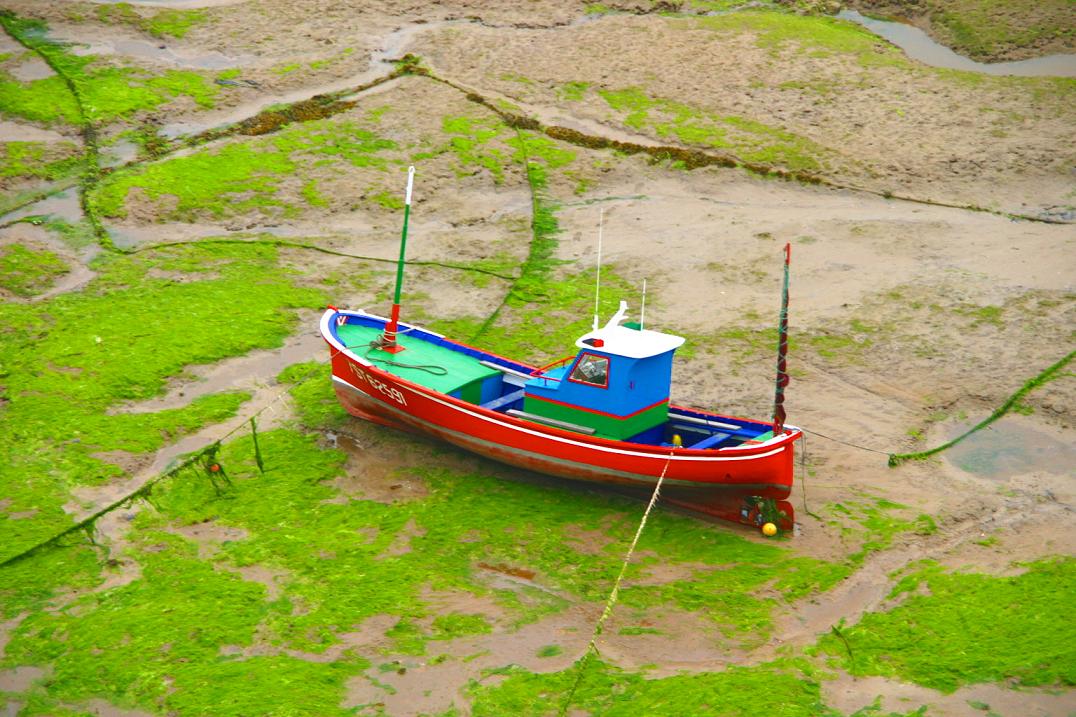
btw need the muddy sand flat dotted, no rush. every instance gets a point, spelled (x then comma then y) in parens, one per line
(186, 185)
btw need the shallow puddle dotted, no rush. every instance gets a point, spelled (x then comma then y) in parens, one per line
(920, 46)
(120, 153)
(158, 52)
(63, 205)
(848, 694)
(1008, 447)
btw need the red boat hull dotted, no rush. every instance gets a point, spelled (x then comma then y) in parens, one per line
(723, 482)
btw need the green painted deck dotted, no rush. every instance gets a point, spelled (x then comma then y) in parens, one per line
(465, 373)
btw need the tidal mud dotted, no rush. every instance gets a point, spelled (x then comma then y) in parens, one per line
(323, 565)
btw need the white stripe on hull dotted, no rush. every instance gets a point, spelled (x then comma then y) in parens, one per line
(556, 466)
(547, 436)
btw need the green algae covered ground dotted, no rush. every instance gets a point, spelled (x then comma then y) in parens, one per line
(963, 628)
(105, 92)
(317, 565)
(72, 363)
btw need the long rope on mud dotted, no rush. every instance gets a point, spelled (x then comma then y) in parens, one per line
(803, 477)
(207, 457)
(92, 169)
(694, 158)
(844, 442)
(592, 646)
(324, 250)
(895, 459)
(535, 204)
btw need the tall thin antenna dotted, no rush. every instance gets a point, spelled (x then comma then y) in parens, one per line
(598, 271)
(642, 310)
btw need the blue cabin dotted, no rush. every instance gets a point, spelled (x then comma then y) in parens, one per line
(617, 386)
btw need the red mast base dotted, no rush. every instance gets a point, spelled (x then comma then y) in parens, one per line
(387, 340)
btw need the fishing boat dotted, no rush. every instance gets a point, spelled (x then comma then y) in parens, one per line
(602, 414)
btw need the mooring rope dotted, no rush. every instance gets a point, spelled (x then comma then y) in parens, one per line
(803, 478)
(895, 459)
(615, 592)
(843, 442)
(144, 490)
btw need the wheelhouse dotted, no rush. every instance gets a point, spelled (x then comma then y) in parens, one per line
(617, 384)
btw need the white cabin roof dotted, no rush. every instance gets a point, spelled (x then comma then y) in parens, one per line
(631, 343)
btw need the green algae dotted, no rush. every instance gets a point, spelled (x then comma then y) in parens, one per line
(46, 100)
(968, 628)
(312, 196)
(729, 590)
(781, 689)
(874, 522)
(104, 92)
(389, 200)
(750, 140)
(573, 91)
(26, 272)
(70, 363)
(29, 585)
(164, 23)
(454, 624)
(287, 69)
(823, 36)
(76, 235)
(312, 395)
(488, 143)
(39, 160)
(157, 642)
(174, 23)
(985, 29)
(243, 176)
(469, 140)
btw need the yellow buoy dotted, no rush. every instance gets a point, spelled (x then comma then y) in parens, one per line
(677, 441)
(769, 530)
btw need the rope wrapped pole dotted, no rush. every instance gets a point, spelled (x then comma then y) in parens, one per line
(782, 352)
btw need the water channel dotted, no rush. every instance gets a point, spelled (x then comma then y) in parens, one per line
(920, 46)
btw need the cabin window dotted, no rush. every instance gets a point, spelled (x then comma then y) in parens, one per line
(591, 369)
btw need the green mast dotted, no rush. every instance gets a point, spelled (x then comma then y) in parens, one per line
(388, 338)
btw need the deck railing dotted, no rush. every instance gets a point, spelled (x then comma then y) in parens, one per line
(537, 373)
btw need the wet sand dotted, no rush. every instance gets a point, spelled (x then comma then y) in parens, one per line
(707, 242)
